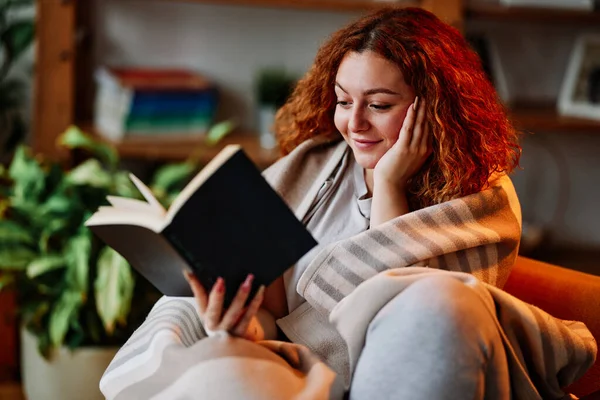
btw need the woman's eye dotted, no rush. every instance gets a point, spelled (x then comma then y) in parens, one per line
(343, 103)
(380, 106)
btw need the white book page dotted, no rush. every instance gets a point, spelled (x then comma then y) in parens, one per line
(125, 203)
(201, 177)
(147, 193)
(114, 216)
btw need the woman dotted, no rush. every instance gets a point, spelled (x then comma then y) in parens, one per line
(397, 154)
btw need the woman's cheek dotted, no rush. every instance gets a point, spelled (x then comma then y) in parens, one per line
(398, 122)
(340, 122)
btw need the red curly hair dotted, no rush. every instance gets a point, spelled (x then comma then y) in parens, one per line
(472, 137)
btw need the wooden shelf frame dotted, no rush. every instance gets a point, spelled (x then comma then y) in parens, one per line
(543, 117)
(180, 148)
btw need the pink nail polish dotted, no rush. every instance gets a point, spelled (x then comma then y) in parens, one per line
(220, 285)
(248, 282)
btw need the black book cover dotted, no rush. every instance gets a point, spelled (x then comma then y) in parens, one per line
(235, 224)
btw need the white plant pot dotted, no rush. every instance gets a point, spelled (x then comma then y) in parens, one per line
(69, 375)
(266, 119)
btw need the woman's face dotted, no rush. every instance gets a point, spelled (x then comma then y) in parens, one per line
(372, 101)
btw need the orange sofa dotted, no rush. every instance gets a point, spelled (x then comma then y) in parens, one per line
(565, 294)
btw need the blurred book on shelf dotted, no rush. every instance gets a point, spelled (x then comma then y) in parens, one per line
(152, 102)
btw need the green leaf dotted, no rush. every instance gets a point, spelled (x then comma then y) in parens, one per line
(17, 37)
(15, 258)
(44, 345)
(58, 203)
(114, 288)
(90, 173)
(76, 335)
(45, 264)
(63, 311)
(25, 209)
(11, 232)
(93, 326)
(6, 280)
(75, 138)
(78, 253)
(219, 131)
(27, 174)
(123, 186)
(170, 175)
(33, 312)
(53, 227)
(169, 199)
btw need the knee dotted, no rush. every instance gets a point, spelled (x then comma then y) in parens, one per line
(444, 305)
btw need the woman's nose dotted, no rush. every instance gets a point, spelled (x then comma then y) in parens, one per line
(358, 122)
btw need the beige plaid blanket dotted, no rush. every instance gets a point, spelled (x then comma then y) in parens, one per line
(472, 239)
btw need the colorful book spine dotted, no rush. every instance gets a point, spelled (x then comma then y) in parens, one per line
(153, 102)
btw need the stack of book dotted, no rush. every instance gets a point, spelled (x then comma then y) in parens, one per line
(134, 102)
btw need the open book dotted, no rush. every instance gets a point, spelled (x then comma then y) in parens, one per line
(227, 222)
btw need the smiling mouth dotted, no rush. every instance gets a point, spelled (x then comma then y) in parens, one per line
(363, 144)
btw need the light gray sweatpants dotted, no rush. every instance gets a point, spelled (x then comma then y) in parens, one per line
(435, 340)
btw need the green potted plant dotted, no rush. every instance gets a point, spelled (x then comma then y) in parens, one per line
(73, 292)
(17, 31)
(273, 87)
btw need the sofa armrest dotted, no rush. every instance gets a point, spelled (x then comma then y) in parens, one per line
(564, 294)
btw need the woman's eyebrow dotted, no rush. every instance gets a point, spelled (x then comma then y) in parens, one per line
(371, 91)
(380, 90)
(340, 86)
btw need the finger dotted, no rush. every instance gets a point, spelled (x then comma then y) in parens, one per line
(198, 291)
(214, 310)
(419, 128)
(236, 308)
(407, 126)
(242, 326)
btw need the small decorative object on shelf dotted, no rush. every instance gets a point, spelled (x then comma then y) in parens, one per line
(273, 87)
(579, 94)
(145, 101)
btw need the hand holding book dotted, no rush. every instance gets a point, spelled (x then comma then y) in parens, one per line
(237, 318)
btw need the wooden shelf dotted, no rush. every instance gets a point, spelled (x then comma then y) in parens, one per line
(322, 5)
(11, 391)
(531, 14)
(179, 148)
(544, 118)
